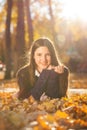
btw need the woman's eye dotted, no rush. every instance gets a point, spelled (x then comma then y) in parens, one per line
(48, 54)
(38, 54)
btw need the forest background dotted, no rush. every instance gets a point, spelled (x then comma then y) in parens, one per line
(23, 21)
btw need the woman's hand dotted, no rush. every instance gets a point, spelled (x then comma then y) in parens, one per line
(59, 69)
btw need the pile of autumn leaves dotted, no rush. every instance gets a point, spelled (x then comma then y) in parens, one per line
(55, 114)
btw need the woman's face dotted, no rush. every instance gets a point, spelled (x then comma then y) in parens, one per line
(42, 58)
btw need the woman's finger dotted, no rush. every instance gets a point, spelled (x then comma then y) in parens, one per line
(59, 69)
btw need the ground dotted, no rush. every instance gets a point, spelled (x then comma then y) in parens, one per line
(56, 114)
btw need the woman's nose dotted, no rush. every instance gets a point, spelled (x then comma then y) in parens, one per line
(44, 58)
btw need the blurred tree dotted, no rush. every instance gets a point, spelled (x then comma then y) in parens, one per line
(20, 36)
(29, 21)
(8, 40)
(52, 22)
(2, 55)
(40, 18)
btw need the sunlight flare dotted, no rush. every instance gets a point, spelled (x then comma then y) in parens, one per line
(75, 9)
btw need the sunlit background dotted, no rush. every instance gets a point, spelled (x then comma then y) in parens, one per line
(75, 9)
(63, 21)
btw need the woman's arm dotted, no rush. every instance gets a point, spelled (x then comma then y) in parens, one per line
(24, 85)
(51, 83)
(57, 84)
(40, 85)
(63, 82)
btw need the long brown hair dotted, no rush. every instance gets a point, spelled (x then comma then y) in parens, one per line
(36, 44)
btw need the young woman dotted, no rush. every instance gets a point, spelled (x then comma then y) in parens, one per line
(43, 74)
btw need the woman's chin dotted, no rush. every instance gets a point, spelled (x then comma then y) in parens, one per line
(42, 69)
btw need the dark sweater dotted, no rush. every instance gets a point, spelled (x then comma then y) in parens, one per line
(53, 84)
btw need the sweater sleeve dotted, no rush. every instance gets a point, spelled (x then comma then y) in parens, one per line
(24, 86)
(57, 84)
(20, 80)
(53, 84)
(40, 85)
(63, 83)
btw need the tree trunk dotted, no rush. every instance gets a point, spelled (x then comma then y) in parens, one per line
(54, 34)
(20, 37)
(8, 40)
(29, 21)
